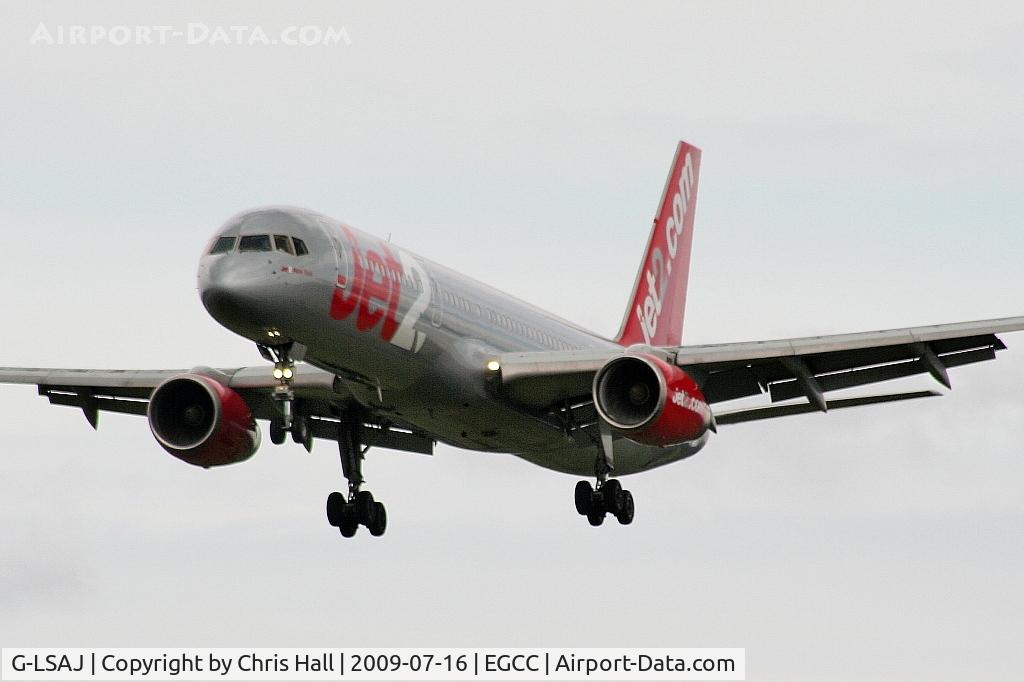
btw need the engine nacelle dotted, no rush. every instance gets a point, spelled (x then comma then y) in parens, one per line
(202, 422)
(650, 401)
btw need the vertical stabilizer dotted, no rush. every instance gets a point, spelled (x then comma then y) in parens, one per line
(655, 313)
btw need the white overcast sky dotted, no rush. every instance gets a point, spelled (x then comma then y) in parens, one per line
(862, 169)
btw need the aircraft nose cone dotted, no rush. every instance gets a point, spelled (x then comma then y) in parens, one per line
(220, 301)
(234, 294)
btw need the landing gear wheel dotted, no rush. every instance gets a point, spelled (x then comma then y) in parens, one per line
(625, 516)
(335, 508)
(380, 520)
(301, 432)
(584, 497)
(349, 524)
(277, 432)
(612, 496)
(365, 507)
(596, 518)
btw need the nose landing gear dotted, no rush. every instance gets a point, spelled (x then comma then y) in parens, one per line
(358, 508)
(291, 419)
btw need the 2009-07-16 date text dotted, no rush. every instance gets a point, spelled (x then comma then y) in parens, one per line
(368, 663)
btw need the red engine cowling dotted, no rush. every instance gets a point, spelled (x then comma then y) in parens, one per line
(650, 401)
(202, 422)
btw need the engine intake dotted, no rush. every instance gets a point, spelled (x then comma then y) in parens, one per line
(650, 401)
(202, 422)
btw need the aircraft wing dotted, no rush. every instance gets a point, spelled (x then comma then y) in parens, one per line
(804, 369)
(127, 391)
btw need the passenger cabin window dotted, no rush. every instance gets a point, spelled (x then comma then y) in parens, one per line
(254, 242)
(284, 243)
(300, 247)
(222, 245)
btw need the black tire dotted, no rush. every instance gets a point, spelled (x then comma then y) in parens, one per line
(625, 517)
(300, 431)
(349, 526)
(335, 508)
(365, 508)
(348, 522)
(380, 520)
(277, 432)
(612, 497)
(584, 495)
(596, 518)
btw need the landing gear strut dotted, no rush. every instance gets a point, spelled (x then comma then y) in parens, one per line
(291, 420)
(347, 513)
(608, 496)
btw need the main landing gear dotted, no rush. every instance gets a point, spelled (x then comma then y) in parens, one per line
(358, 508)
(607, 497)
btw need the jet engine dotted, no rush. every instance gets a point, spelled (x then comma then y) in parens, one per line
(202, 422)
(650, 401)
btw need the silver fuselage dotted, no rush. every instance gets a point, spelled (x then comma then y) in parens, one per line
(409, 338)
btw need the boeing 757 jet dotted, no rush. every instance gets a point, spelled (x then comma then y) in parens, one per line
(370, 345)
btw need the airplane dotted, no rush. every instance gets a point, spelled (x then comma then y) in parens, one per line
(371, 345)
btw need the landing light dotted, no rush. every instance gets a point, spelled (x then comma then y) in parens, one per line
(493, 365)
(288, 373)
(278, 373)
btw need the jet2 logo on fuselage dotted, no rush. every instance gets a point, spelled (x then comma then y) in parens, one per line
(374, 293)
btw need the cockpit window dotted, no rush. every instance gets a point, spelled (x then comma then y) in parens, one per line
(283, 243)
(222, 245)
(255, 242)
(300, 247)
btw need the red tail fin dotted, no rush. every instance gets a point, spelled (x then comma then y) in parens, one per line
(655, 313)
